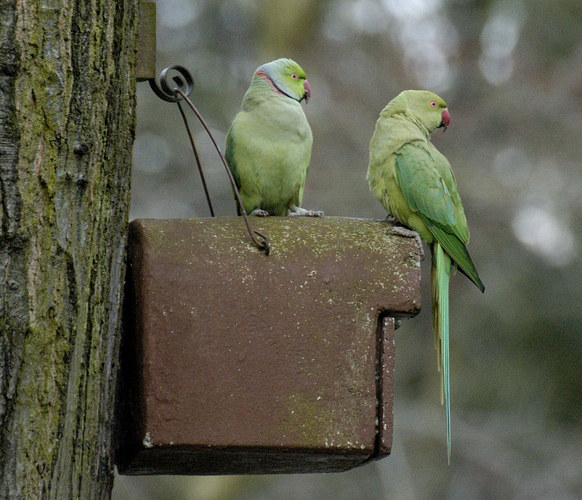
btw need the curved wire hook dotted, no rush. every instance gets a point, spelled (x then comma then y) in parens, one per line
(184, 85)
(265, 244)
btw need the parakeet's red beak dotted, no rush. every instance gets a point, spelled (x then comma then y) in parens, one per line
(446, 119)
(307, 91)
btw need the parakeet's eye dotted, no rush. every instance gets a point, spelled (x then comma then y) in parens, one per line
(295, 76)
(433, 104)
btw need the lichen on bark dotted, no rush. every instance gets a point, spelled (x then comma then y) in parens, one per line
(67, 99)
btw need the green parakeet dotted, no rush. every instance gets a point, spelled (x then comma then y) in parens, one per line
(415, 183)
(268, 145)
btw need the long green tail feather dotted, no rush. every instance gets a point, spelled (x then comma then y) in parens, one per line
(441, 272)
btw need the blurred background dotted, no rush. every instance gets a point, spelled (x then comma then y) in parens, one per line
(511, 72)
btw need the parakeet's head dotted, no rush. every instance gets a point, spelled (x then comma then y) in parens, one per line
(286, 77)
(428, 108)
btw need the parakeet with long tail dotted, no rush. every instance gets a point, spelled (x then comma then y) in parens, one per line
(268, 145)
(416, 185)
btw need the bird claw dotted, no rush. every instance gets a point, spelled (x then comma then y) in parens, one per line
(302, 212)
(259, 212)
(408, 233)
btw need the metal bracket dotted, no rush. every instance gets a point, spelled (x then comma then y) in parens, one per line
(146, 42)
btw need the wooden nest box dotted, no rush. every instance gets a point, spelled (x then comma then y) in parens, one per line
(235, 362)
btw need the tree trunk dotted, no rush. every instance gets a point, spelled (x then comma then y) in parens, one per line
(67, 99)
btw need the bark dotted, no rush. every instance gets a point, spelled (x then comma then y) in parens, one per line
(67, 99)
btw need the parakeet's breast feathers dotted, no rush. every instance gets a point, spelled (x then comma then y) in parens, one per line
(268, 145)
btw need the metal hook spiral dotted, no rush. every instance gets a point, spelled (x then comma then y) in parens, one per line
(183, 81)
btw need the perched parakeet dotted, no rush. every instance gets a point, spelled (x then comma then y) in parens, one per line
(268, 145)
(415, 183)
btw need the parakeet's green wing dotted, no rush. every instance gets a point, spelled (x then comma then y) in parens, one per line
(458, 252)
(425, 178)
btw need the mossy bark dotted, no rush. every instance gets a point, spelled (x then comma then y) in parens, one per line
(67, 99)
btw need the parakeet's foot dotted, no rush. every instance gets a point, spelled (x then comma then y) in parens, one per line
(302, 212)
(390, 219)
(259, 212)
(408, 233)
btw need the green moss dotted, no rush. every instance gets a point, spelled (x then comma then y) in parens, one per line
(316, 422)
(311, 419)
(71, 87)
